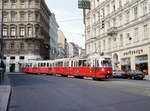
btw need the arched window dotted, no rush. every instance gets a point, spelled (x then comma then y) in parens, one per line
(13, 31)
(30, 31)
(22, 31)
(5, 31)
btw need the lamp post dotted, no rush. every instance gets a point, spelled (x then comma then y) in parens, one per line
(1, 40)
(2, 47)
(2, 44)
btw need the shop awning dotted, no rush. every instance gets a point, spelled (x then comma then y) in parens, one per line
(141, 62)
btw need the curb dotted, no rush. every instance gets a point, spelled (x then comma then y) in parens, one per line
(5, 93)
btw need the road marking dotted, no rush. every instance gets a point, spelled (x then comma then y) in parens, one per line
(145, 91)
(112, 108)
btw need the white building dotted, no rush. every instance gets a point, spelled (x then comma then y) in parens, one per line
(73, 50)
(81, 52)
(120, 28)
(53, 37)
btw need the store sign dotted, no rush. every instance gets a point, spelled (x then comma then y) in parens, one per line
(83, 4)
(140, 51)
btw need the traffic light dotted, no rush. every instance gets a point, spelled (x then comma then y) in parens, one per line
(103, 24)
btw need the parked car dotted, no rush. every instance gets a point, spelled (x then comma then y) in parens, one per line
(119, 74)
(136, 74)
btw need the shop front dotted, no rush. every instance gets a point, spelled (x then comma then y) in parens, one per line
(125, 64)
(137, 58)
(141, 63)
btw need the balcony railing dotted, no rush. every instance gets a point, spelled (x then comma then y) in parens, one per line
(112, 31)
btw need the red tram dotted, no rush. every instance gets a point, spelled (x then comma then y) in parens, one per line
(95, 67)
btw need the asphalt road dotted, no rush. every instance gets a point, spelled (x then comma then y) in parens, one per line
(50, 93)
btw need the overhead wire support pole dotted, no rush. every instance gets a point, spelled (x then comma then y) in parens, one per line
(2, 41)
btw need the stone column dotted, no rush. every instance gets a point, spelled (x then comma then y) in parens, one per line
(132, 60)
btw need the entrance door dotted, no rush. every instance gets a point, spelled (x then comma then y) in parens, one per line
(12, 67)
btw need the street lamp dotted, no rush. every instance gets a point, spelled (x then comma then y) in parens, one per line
(1, 41)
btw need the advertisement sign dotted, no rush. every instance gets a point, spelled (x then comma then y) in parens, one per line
(84, 4)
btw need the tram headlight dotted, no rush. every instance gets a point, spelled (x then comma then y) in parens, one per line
(103, 69)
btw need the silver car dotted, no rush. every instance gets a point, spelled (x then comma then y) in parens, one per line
(118, 74)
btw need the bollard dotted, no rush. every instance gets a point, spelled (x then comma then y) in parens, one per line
(1, 75)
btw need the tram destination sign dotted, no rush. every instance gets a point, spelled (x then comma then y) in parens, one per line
(84, 4)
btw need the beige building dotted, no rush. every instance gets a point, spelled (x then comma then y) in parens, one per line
(62, 45)
(25, 31)
(120, 28)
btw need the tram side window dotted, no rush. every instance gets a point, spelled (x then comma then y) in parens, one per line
(97, 63)
(39, 65)
(47, 64)
(59, 64)
(30, 65)
(44, 64)
(82, 63)
(106, 63)
(74, 64)
(35, 65)
(71, 63)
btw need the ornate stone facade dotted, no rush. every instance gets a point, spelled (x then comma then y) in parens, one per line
(25, 29)
(116, 26)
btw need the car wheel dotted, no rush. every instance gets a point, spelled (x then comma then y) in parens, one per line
(141, 78)
(132, 77)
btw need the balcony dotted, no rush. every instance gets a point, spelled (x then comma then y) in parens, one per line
(112, 31)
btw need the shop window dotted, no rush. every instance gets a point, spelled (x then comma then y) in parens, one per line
(12, 57)
(5, 58)
(21, 58)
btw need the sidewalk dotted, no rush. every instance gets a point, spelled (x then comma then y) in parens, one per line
(147, 77)
(5, 91)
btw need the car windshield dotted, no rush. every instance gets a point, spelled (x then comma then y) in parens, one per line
(106, 63)
(139, 71)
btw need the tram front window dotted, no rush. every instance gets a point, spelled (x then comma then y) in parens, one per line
(106, 63)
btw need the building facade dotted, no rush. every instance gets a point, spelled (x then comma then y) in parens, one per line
(62, 45)
(53, 37)
(25, 31)
(73, 50)
(121, 29)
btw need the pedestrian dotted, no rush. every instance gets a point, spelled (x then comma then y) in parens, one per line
(2, 65)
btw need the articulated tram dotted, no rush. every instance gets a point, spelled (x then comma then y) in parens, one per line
(95, 67)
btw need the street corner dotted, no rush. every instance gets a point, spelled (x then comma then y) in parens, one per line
(5, 92)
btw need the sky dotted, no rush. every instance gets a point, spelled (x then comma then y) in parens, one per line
(69, 18)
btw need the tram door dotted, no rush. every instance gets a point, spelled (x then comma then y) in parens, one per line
(12, 67)
(95, 67)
